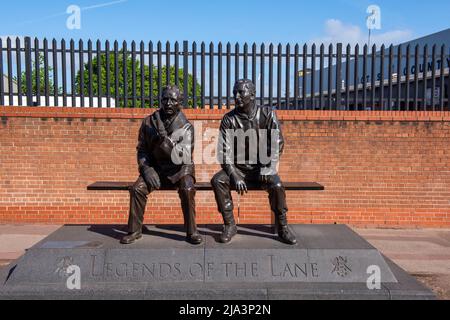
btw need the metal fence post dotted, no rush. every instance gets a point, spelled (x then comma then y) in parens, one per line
(338, 76)
(185, 73)
(28, 71)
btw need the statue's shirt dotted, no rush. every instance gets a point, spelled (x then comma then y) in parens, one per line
(260, 120)
(157, 141)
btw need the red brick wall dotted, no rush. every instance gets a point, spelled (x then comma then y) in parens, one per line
(379, 168)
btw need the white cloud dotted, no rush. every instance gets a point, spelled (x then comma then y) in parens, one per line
(337, 31)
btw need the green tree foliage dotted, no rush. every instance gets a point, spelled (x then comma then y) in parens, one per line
(129, 67)
(51, 89)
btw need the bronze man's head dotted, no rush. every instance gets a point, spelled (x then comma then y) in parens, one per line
(244, 93)
(171, 100)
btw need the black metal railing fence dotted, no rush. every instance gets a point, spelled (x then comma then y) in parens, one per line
(334, 77)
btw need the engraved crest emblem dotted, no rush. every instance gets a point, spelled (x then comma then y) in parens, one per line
(341, 266)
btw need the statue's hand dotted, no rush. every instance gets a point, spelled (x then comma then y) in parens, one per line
(241, 186)
(151, 177)
(166, 145)
(161, 137)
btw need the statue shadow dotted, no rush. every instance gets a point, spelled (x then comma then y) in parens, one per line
(203, 230)
(111, 231)
(161, 234)
(10, 272)
(177, 232)
(257, 231)
(173, 232)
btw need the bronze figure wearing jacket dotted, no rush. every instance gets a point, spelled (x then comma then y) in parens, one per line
(242, 162)
(164, 155)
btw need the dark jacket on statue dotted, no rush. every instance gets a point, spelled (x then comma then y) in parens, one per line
(159, 139)
(260, 118)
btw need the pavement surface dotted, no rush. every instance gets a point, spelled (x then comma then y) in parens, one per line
(423, 253)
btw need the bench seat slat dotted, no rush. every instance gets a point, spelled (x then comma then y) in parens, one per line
(201, 186)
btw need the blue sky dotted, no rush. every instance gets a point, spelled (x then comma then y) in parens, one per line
(294, 21)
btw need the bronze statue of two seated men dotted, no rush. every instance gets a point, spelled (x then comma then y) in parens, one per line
(164, 154)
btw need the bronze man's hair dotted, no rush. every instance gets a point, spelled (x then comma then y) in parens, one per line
(172, 88)
(248, 83)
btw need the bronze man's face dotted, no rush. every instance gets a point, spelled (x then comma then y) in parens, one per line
(170, 102)
(243, 96)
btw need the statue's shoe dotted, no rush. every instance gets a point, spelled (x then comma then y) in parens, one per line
(287, 236)
(229, 231)
(131, 238)
(194, 239)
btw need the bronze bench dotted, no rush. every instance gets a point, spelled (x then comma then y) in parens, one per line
(206, 186)
(202, 186)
